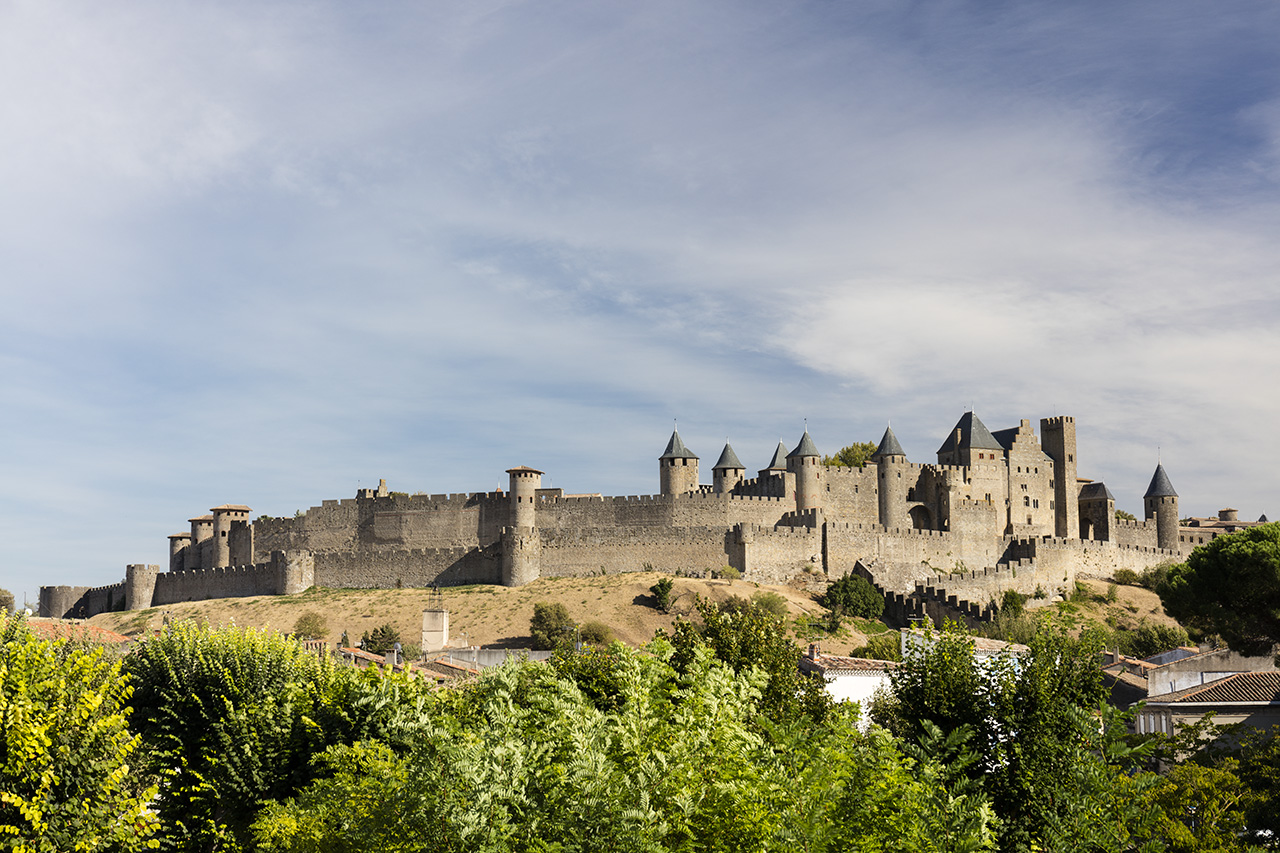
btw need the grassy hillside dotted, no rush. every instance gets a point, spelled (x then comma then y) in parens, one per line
(483, 615)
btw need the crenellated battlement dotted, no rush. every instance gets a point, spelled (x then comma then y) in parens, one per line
(903, 517)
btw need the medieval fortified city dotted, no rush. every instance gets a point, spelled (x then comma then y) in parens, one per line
(998, 511)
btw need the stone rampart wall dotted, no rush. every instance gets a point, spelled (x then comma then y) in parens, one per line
(1140, 534)
(1091, 559)
(587, 551)
(851, 494)
(226, 582)
(389, 567)
(80, 602)
(775, 555)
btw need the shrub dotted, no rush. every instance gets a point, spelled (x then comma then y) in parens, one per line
(1151, 639)
(662, 594)
(550, 625)
(311, 626)
(1113, 593)
(855, 596)
(1080, 592)
(886, 646)
(730, 574)
(1127, 577)
(595, 633)
(771, 602)
(1013, 603)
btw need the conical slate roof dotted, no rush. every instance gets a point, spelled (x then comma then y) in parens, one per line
(1160, 486)
(1262, 519)
(676, 449)
(779, 460)
(973, 435)
(728, 459)
(805, 447)
(888, 445)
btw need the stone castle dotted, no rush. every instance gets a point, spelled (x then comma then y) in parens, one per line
(998, 511)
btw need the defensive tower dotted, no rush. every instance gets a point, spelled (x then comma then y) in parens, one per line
(677, 468)
(891, 486)
(728, 471)
(1058, 440)
(1161, 503)
(804, 463)
(521, 542)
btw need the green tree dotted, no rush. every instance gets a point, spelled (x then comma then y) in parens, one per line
(595, 633)
(66, 777)
(381, 639)
(1150, 639)
(753, 638)
(525, 760)
(1032, 722)
(1121, 515)
(550, 625)
(853, 456)
(311, 626)
(232, 718)
(662, 594)
(6, 602)
(853, 595)
(1230, 587)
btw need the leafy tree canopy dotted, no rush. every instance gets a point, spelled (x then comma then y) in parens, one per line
(550, 625)
(853, 595)
(65, 749)
(6, 601)
(1230, 587)
(853, 456)
(380, 640)
(311, 626)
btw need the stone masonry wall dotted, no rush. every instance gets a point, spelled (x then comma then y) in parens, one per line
(586, 551)
(389, 567)
(1134, 533)
(226, 582)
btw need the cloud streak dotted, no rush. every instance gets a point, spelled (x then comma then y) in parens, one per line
(262, 252)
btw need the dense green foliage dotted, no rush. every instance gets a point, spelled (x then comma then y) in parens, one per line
(66, 780)
(1043, 758)
(233, 718)
(524, 760)
(709, 740)
(753, 639)
(550, 625)
(853, 595)
(6, 602)
(1230, 587)
(853, 456)
(1150, 639)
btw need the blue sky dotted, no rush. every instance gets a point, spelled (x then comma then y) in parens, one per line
(267, 253)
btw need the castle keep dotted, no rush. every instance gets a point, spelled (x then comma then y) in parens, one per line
(998, 511)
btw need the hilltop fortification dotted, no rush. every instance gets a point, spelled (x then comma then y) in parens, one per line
(997, 511)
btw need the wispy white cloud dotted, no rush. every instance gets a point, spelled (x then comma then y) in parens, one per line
(259, 252)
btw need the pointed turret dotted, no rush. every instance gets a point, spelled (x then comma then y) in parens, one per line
(1161, 503)
(728, 471)
(888, 446)
(1160, 486)
(677, 468)
(779, 460)
(892, 486)
(805, 463)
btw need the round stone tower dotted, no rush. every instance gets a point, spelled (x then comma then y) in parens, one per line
(891, 482)
(525, 482)
(199, 552)
(728, 472)
(139, 586)
(805, 463)
(1161, 503)
(677, 468)
(521, 542)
